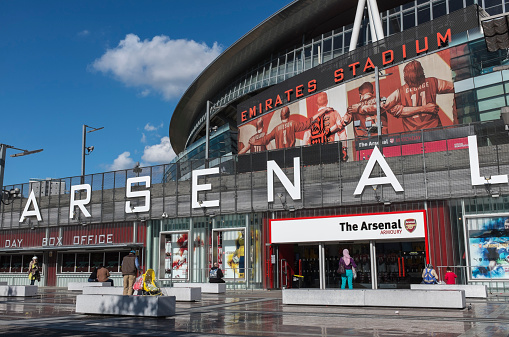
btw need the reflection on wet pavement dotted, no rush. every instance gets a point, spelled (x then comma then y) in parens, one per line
(253, 313)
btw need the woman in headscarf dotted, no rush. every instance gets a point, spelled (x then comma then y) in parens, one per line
(348, 263)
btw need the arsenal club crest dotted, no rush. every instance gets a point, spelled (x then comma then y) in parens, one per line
(410, 225)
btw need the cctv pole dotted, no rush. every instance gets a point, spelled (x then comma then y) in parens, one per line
(83, 142)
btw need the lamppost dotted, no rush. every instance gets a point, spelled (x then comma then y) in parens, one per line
(84, 148)
(13, 193)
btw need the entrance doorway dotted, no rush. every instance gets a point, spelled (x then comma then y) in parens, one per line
(399, 264)
(360, 254)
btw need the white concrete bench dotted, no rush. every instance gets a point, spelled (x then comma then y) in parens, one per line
(183, 294)
(103, 290)
(80, 285)
(146, 306)
(18, 291)
(471, 290)
(403, 298)
(206, 288)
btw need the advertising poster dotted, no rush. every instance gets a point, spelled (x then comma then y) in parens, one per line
(313, 120)
(233, 248)
(177, 256)
(488, 245)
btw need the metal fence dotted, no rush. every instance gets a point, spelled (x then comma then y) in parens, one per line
(328, 179)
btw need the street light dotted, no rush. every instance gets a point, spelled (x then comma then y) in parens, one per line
(13, 193)
(86, 149)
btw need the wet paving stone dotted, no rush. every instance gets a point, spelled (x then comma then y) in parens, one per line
(252, 313)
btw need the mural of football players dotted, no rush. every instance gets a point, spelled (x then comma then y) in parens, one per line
(417, 98)
(284, 133)
(259, 134)
(363, 111)
(328, 119)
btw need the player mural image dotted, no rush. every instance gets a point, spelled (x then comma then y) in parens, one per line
(419, 95)
(417, 99)
(415, 95)
(323, 129)
(305, 122)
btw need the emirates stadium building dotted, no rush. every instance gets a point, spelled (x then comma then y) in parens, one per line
(380, 127)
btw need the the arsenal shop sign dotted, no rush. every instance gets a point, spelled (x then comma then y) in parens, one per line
(379, 226)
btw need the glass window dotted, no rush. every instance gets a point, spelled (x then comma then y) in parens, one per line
(289, 64)
(490, 91)
(96, 259)
(16, 263)
(454, 5)
(338, 45)
(176, 263)
(327, 50)
(26, 263)
(316, 54)
(394, 25)
(490, 115)
(408, 5)
(348, 36)
(112, 260)
(298, 61)
(82, 262)
(492, 103)
(408, 20)
(423, 15)
(5, 263)
(439, 9)
(307, 57)
(68, 263)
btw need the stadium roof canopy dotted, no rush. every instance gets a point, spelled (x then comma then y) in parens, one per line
(285, 29)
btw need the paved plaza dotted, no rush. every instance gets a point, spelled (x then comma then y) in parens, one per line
(251, 313)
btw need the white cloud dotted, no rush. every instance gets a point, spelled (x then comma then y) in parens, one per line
(84, 33)
(143, 138)
(165, 65)
(159, 153)
(122, 162)
(150, 127)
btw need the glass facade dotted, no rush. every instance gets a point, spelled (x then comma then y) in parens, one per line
(189, 246)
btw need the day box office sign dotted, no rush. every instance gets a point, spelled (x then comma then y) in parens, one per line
(362, 227)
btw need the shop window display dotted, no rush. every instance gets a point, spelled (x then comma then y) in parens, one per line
(176, 256)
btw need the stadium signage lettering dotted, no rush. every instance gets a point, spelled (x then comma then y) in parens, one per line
(331, 74)
(293, 189)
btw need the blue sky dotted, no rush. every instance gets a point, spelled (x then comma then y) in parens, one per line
(122, 65)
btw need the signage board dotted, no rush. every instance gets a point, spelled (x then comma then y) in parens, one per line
(380, 226)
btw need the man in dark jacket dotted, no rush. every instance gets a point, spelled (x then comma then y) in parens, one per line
(216, 274)
(130, 266)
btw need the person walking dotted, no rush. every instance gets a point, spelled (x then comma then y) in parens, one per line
(348, 265)
(33, 271)
(429, 275)
(130, 267)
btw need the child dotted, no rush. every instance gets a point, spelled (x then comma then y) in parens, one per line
(450, 277)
